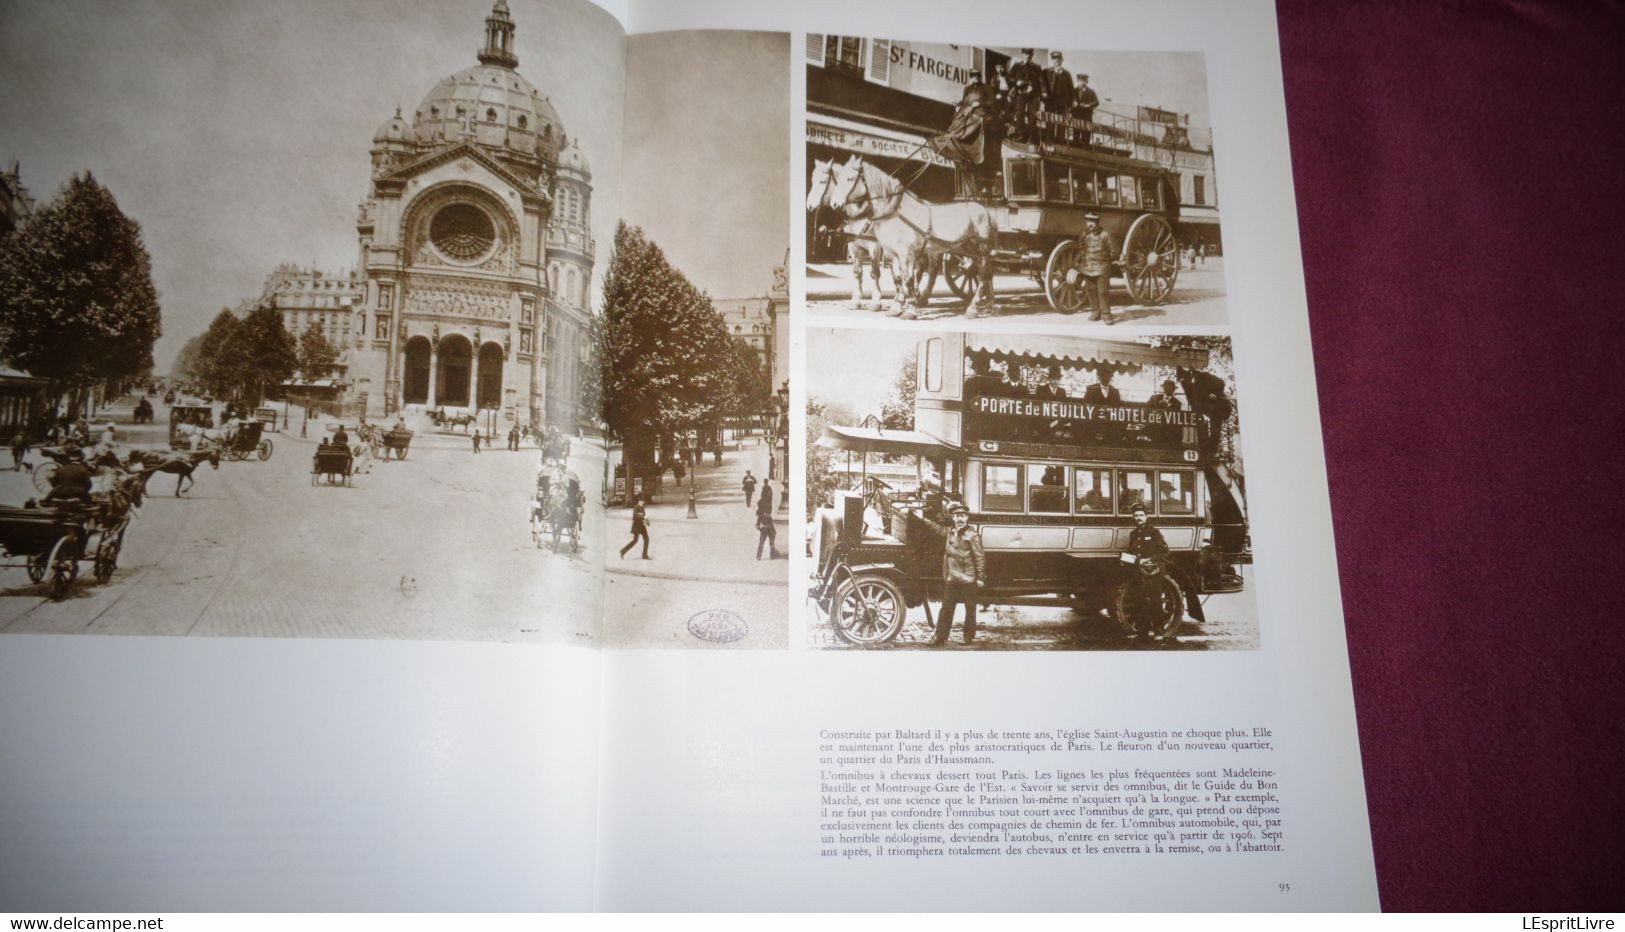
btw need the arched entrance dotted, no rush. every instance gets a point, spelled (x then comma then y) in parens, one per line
(452, 374)
(415, 385)
(490, 393)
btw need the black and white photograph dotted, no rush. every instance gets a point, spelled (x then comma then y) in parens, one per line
(296, 308)
(973, 181)
(1000, 491)
(695, 342)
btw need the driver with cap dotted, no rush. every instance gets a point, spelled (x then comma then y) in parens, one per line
(964, 572)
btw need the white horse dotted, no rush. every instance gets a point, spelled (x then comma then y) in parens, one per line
(916, 232)
(862, 251)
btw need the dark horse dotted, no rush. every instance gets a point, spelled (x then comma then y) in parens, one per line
(179, 464)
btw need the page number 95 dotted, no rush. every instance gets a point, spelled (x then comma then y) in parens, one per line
(1284, 887)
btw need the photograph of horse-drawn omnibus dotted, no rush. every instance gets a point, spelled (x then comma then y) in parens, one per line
(1096, 486)
(989, 169)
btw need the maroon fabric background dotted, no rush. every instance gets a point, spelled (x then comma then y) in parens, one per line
(1460, 172)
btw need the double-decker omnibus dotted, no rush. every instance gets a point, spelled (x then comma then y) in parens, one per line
(1050, 483)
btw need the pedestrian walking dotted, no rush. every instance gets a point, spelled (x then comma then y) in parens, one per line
(749, 485)
(476, 440)
(766, 534)
(764, 504)
(678, 471)
(964, 573)
(19, 448)
(640, 529)
(513, 439)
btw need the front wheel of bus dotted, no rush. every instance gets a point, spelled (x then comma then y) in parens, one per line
(867, 610)
(1152, 606)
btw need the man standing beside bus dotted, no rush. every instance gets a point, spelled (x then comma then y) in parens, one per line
(964, 572)
(1098, 252)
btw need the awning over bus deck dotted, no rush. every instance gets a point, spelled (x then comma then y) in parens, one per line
(881, 440)
(1081, 352)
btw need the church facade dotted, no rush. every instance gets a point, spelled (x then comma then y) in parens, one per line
(475, 253)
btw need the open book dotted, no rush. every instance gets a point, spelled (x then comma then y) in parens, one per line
(672, 457)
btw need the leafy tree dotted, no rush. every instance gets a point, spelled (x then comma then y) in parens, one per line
(262, 353)
(897, 412)
(215, 367)
(77, 302)
(316, 354)
(665, 359)
(189, 360)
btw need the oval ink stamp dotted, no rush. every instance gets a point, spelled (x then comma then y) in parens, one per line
(718, 625)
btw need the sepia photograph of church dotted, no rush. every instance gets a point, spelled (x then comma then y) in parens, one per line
(475, 250)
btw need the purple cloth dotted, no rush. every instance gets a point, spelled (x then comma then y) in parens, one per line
(1460, 174)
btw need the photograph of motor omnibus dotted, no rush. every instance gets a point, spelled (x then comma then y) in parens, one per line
(1051, 445)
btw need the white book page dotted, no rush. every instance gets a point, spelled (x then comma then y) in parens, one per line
(730, 782)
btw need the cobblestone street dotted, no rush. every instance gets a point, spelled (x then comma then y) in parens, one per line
(437, 546)
(1198, 299)
(700, 565)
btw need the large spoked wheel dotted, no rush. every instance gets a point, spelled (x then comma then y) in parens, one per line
(38, 563)
(1150, 260)
(41, 476)
(867, 610)
(264, 450)
(400, 452)
(107, 556)
(1064, 284)
(960, 274)
(1151, 605)
(236, 455)
(64, 562)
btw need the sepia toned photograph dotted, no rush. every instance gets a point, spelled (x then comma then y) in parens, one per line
(695, 339)
(296, 311)
(983, 491)
(1034, 184)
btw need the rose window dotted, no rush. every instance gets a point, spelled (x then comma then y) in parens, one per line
(462, 232)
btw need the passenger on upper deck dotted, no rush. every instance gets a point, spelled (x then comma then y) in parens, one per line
(1025, 76)
(1051, 390)
(1102, 391)
(1084, 102)
(970, 140)
(1056, 87)
(1165, 398)
(982, 381)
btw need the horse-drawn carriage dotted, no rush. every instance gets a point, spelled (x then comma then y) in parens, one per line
(446, 421)
(395, 442)
(556, 511)
(1029, 221)
(53, 539)
(186, 419)
(332, 463)
(247, 439)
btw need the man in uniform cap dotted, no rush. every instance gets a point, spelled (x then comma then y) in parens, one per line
(1099, 251)
(1025, 76)
(1056, 88)
(1084, 102)
(964, 572)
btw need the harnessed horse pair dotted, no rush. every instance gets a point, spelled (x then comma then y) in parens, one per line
(914, 234)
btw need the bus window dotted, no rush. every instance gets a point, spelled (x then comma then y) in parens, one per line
(1084, 190)
(1094, 491)
(1046, 489)
(1131, 190)
(933, 364)
(1150, 193)
(1134, 486)
(1178, 493)
(1108, 189)
(1022, 175)
(1057, 182)
(1001, 488)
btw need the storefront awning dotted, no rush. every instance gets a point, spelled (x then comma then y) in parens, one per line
(1082, 353)
(881, 440)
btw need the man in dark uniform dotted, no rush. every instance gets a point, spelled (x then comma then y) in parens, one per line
(1056, 90)
(1145, 541)
(1098, 253)
(640, 529)
(1084, 102)
(964, 574)
(1024, 79)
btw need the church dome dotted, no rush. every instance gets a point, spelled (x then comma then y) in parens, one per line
(573, 160)
(494, 106)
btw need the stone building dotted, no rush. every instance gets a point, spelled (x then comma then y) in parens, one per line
(475, 256)
(309, 296)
